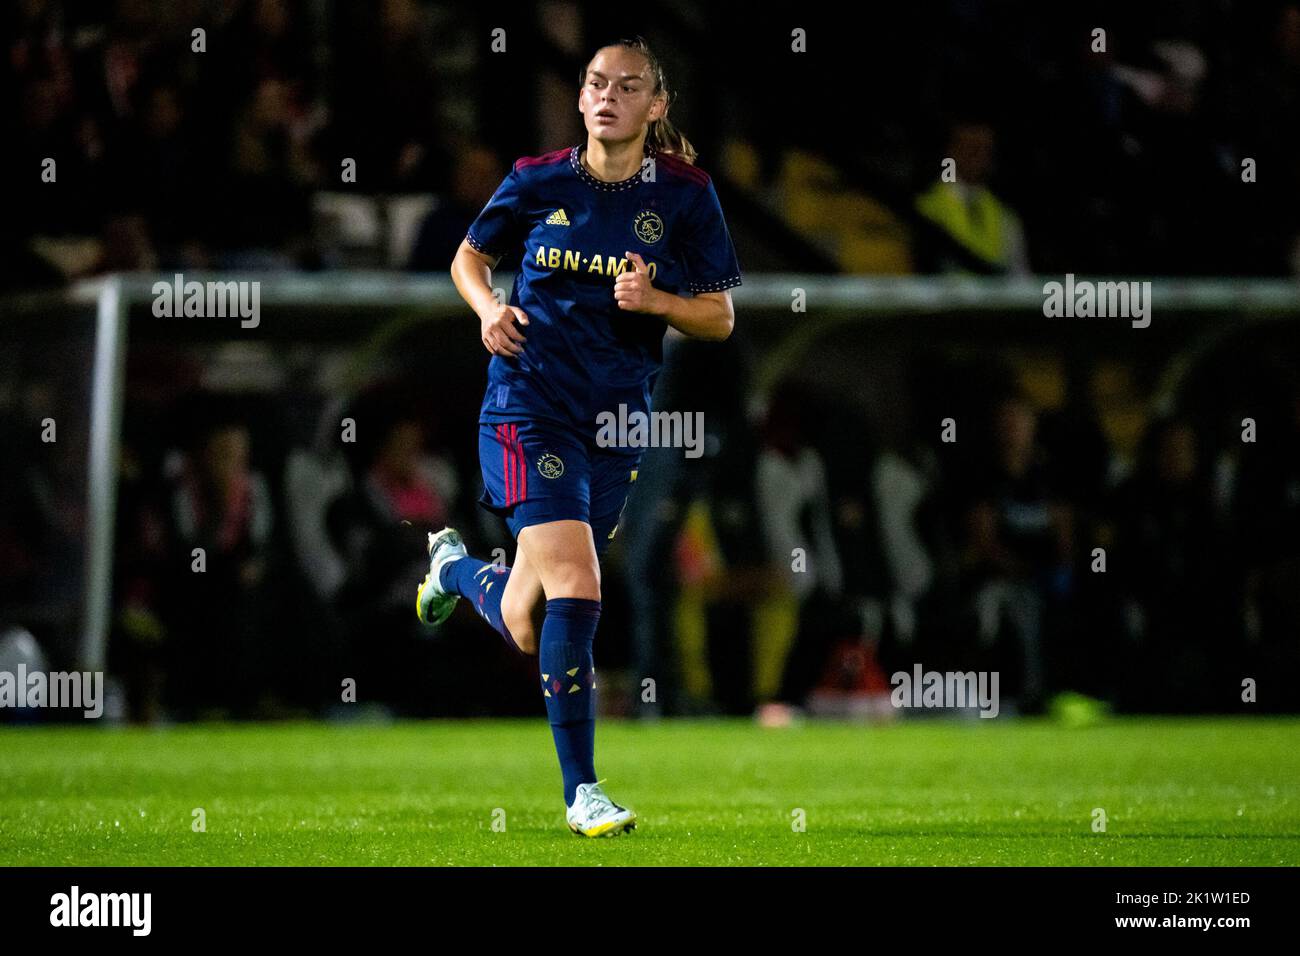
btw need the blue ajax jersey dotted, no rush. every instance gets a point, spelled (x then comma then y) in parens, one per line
(585, 355)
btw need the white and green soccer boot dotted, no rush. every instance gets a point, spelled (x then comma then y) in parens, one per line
(433, 605)
(595, 815)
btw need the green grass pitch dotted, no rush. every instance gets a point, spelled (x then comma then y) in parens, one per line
(922, 792)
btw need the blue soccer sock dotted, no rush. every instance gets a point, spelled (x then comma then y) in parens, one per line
(482, 584)
(569, 684)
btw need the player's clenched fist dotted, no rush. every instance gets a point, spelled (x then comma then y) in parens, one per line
(632, 289)
(500, 337)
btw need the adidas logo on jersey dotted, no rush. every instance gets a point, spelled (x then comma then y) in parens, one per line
(557, 218)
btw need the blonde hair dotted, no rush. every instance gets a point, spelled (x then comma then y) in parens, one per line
(665, 137)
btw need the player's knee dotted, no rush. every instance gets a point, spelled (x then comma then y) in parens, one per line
(575, 579)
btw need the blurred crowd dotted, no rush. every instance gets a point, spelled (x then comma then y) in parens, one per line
(194, 134)
(269, 543)
(988, 138)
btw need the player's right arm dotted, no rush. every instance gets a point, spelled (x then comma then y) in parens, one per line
(471, 271)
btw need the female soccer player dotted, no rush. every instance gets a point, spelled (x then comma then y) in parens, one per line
(612, 232)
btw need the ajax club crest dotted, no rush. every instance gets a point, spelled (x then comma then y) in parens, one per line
(550, 466)
(648, 226)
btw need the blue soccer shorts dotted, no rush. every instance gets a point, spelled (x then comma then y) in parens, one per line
(535, 472)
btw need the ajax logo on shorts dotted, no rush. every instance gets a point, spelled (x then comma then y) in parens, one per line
(649, 228)
(550, 466)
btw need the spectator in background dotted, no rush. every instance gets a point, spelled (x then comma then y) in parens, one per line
(155, 167)
(969, 228)
(218, 601)
(402, 485)
(1182, 180)
(1166, 533)
(385, 94)
(57, 225)
(273, 43)
(1019, 544)
(903, 481)
(266, 201)
(474, 178)
(379, 528)
(137, 643)
(795, 511)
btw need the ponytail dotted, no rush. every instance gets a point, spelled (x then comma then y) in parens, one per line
(667, 138)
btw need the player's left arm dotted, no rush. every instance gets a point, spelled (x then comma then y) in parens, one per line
(706, 315)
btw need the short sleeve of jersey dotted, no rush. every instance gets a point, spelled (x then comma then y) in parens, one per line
(707, 254)
(499, 228)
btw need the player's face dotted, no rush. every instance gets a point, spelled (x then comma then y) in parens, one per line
(618, 98)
